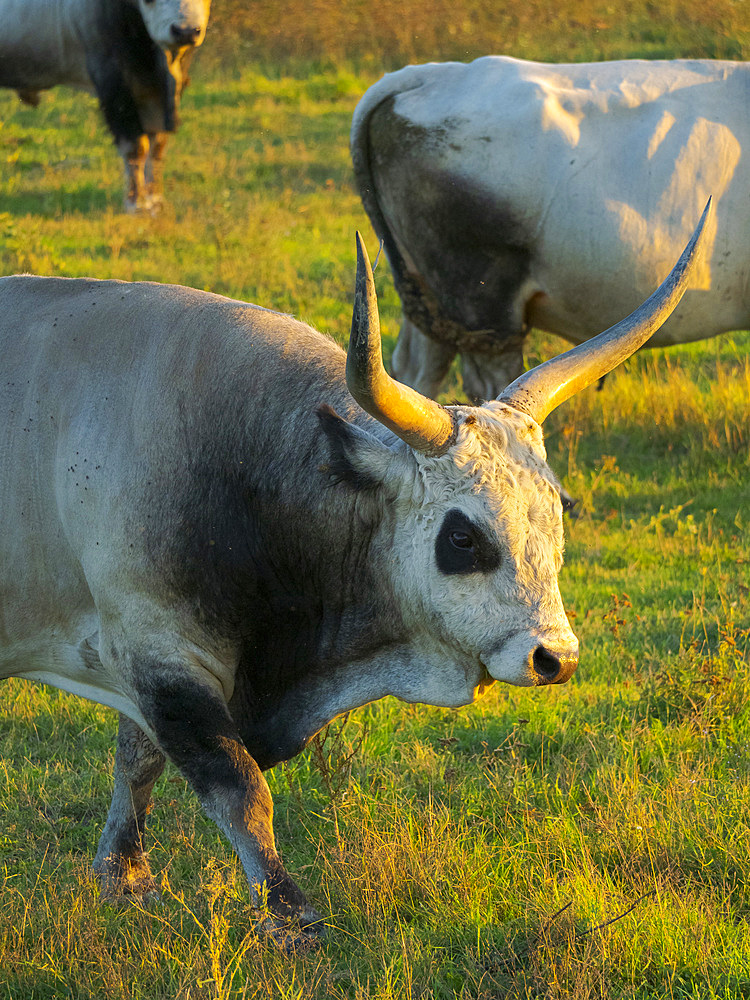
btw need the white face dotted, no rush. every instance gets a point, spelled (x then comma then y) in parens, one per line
(478, 546)
(175, 24)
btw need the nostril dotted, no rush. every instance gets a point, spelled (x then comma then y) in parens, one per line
(546, 664)
(185, 36)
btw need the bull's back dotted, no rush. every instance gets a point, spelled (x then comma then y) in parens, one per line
(112, 393)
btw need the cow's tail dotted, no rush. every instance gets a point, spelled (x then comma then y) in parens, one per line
(392, 84)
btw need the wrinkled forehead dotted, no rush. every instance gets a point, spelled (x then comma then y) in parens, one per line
(521, 433)
(498, 450)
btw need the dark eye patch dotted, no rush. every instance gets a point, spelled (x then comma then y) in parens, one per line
(568, 503)
(462, 547)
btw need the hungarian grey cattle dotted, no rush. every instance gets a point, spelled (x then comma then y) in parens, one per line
(514, 194)
(229, 531)
(133, 54)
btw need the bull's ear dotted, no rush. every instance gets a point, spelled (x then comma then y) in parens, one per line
(358, 458)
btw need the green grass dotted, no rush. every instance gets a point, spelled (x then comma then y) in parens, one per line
(447, 847)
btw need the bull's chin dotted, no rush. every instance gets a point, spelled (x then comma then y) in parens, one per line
(519, 675)
(484, 684)
(524, 678)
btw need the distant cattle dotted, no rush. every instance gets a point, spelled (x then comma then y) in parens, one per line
(513, 194)
(133, 54)
(223, 527)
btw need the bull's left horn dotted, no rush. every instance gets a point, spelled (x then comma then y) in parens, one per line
(539, 391)
(421, 422)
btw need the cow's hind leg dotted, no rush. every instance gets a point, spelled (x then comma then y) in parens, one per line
(121, 864)
(193, 727)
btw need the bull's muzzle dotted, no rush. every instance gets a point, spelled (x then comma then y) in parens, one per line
(185, 35)
(553, 668)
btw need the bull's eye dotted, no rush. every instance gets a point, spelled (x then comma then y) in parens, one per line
(463, 547)
(461, 540)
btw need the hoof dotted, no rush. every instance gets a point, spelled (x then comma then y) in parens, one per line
(127, 882)
(148, 205)
(303, 933)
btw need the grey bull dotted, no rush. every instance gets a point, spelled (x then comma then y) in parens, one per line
(513, 194)
(133, 54)
(225, 528)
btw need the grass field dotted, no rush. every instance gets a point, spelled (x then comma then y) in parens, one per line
(478, 854)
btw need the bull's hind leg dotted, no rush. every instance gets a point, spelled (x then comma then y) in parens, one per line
(193, 727)
(121, 864)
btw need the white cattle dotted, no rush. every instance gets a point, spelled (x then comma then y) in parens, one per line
(515, 194)
(133, 54)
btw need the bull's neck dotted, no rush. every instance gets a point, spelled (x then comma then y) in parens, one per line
(322, 614)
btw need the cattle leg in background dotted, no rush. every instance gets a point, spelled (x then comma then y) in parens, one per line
(121, 864)
(423, 363)
(135, 122)
(483, 372)
(134, 154)
(144, 171)
(155, 170)
(420, 361)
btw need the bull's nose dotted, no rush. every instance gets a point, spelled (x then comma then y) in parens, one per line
(183, 35)
(553, 668)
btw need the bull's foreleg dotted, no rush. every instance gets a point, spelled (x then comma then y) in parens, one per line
(193, 727)
(420, 361)
(155, 170)
(121, 864)
(134, 153)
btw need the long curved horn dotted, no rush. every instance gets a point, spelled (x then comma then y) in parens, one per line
(539, 391)
(417, 420)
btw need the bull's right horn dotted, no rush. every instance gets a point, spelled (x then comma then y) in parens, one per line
(539, 391)
(419, 421)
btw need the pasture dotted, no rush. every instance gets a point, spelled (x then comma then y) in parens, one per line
(587, 841)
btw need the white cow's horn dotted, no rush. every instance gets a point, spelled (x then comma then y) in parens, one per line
(539, 391)
(417, 420)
